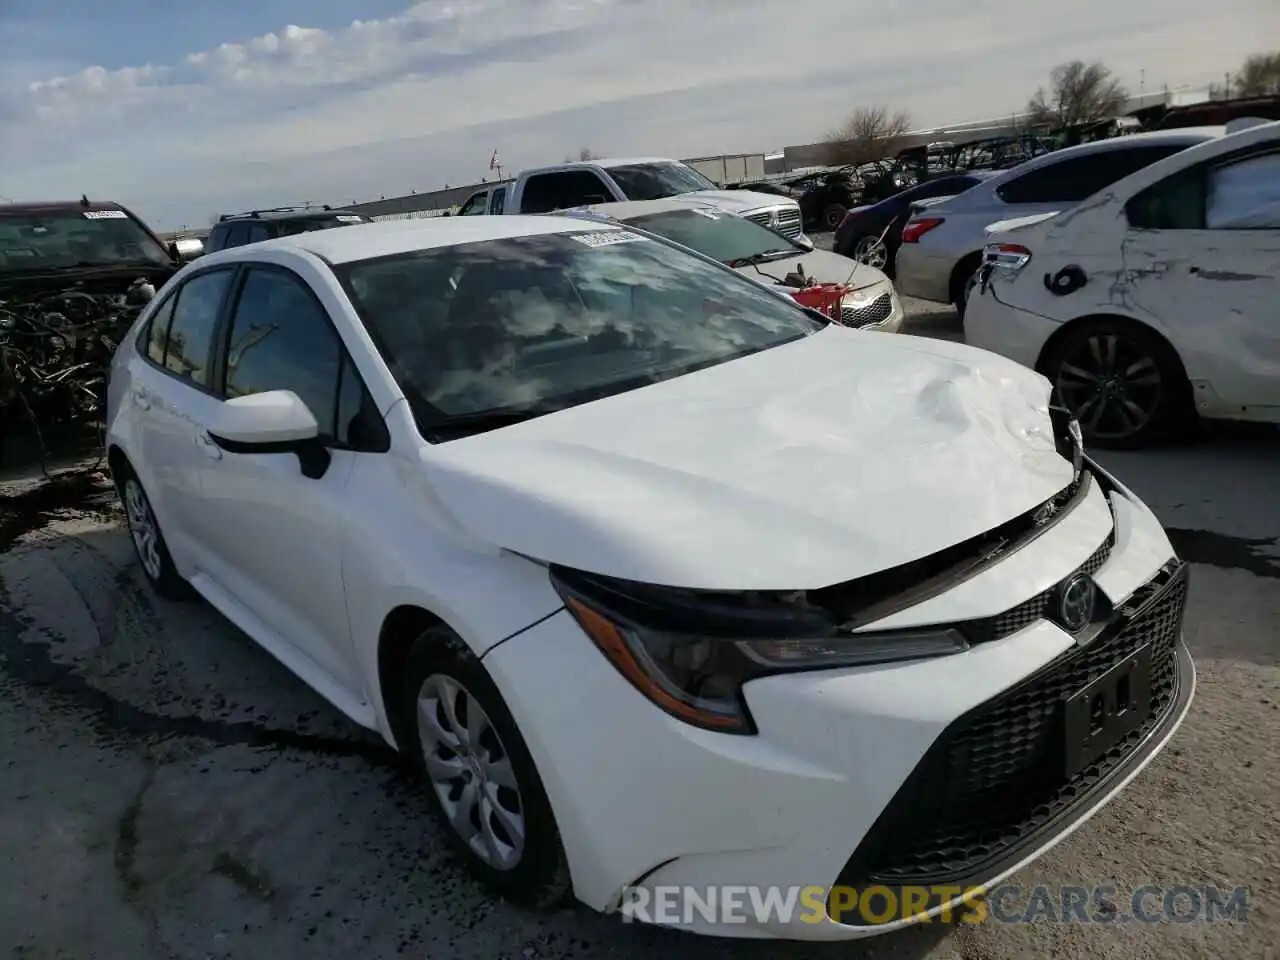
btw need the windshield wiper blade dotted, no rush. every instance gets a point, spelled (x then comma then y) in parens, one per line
(763, 257)
(466, 424)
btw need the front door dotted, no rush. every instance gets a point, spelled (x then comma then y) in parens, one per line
(274, 535)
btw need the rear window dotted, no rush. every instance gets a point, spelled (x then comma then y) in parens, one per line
(1073, 179)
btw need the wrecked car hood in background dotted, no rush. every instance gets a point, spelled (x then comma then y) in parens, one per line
(809, 464)
(740, 201)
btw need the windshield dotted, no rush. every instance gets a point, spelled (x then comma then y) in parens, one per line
(528, 325)
(65, 238)
(657, 181)
(720, 236)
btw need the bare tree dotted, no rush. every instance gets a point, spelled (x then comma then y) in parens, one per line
(1078, 92)
(1259, 76)
(584, 154)
(870, 133)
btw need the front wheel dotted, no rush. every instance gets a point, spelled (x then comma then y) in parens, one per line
(1123, 383)
(833, 215)
(464, 745)
(148, 542)
(871, 251)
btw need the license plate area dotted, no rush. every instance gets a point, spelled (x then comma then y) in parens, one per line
(1107, 710)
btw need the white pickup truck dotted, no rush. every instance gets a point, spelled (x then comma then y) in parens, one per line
(589, 182)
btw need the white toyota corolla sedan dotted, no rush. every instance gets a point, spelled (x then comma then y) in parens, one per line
(659, 580)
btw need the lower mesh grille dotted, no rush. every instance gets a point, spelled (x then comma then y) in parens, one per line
(998, 775)
(878, 311)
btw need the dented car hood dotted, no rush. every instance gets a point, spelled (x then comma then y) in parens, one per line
(809, 464)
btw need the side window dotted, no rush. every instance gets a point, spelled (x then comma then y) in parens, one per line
(475, 205)
(237, 235)
(545, 192)
(359, 424)
(1244, 195)
(157, 331)
(217, 239)
(1074, 179)
(497, 200)
(583, 186)
(190, 341)
(257, 232)
(1174, 203)
(280, 339)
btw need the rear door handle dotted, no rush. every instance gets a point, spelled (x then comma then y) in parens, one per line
(211, 449)
(142, 399)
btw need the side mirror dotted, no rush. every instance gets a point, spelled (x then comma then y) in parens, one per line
(276, 421)
(804, 243)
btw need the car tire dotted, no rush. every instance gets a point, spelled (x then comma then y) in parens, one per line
(148, 540)
(833, 215)
(1123, 382)
(463, 744)
(867, 249)
(962, 280)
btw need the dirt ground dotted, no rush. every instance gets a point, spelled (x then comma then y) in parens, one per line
(171, 792)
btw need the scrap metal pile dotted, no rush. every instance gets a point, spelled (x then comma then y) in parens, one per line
(55, 351)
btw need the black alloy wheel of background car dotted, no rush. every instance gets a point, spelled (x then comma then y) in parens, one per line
(1125, 384)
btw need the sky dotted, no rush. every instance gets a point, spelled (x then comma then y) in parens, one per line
(185, 110)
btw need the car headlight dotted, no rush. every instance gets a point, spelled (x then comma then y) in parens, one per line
(691, 652)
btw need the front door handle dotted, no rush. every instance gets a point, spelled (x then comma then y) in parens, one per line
(206, 444)
(141, 399)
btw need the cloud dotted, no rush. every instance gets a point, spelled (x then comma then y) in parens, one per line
(420, 99)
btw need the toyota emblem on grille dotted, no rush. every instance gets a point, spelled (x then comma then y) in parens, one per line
(1076, 602)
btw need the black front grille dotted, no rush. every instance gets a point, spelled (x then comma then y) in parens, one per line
(878, 311)
(996, 778)
(1037, 608)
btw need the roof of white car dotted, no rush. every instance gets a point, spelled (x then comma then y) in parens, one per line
(364, 241)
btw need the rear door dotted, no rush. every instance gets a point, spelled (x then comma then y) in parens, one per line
(1202, 253)
(173, 392)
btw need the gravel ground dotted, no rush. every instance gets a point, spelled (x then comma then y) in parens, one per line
(172, 792)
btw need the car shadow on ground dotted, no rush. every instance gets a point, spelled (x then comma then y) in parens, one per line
(255, 813)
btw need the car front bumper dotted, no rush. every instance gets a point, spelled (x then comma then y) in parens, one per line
(843, 783)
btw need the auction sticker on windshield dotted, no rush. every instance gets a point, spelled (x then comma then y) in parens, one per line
(105, 215)
(605, 238)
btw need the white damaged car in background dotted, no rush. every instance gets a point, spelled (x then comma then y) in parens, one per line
(1154, 302)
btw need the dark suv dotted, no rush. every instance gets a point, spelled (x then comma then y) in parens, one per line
(237, 229)
(96, 246)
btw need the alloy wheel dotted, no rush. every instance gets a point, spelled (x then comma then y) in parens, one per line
(1112, 386)
(872, 252)
(142, 528)
(471, 772)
